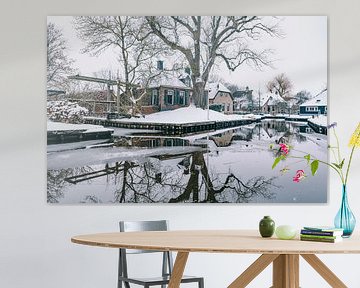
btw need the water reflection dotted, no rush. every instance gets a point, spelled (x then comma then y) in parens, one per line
(231, 166)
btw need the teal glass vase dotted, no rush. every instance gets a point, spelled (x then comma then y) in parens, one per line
(345, 219)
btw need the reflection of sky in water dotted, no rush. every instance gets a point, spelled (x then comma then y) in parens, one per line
(242, 152)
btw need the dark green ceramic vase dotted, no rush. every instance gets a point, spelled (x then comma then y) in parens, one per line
(267, 227)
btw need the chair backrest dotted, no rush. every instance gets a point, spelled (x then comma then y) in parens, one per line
(135, 226)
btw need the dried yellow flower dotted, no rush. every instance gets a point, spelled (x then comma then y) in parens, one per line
(355, 138)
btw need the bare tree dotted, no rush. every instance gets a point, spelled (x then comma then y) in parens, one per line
(302, 96)
(205, 41)
(131, 38)
(281, 85)
(58, 62)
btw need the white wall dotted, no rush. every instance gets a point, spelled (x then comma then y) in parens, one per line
(35, 248)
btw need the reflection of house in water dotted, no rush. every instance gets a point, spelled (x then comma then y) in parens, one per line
(279, 126)
(243, 134)
(151, 142)
(224, 139)
(305, 129)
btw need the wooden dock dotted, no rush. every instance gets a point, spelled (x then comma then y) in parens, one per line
(172, 128)
(60, 137)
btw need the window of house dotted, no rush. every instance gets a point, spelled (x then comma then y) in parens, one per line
(155, 97)
(312, 109)
(182, 97)
(169, 97)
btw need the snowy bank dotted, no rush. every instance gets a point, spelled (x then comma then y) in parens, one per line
(58, 127)
(185, 115)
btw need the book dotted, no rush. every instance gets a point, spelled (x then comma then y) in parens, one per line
(325, 240)
(322, 230)
(319, 236)
(321, 233)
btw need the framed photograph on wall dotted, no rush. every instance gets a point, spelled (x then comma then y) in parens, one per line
(186, 109)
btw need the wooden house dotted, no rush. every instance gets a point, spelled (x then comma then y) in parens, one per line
(165, 92)
(316, 105)
(220, 96)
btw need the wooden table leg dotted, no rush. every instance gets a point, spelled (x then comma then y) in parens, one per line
(324, 271)
(178, 269)
(286, 271)
(253, 270)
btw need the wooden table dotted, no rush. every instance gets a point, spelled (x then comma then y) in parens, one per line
(284, 254)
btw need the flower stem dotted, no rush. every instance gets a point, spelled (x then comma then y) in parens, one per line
(348, 166)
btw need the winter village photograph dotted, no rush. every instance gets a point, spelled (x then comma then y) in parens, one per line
(186, 109)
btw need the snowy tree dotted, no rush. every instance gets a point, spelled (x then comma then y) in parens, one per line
(65, 111)
(205, 41)
(281, 85)
(59, 64)
(135, 45)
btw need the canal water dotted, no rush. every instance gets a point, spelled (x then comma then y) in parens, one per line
(229, 166)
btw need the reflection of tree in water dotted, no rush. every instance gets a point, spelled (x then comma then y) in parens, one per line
(149, 183)
(232, 189)
(56, 183)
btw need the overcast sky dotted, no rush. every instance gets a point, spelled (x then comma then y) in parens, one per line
(301, 54)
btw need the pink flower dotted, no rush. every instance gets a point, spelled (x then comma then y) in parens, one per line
(284, 149)
(300, 174)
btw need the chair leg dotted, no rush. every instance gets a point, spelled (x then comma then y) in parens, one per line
(201, 283)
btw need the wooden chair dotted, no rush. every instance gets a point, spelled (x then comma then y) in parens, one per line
(167, 262)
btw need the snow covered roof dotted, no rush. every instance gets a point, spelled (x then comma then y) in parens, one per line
(214, 88)
(270, 99)
(319, 100)
(167, 80)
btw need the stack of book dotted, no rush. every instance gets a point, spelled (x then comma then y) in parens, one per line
(321, 234)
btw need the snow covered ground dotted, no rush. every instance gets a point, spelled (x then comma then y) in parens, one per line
(298, 116)
(189, 114)
(65, 127)
(95, 156)
(320, 120)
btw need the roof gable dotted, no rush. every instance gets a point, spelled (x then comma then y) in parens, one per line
(318, 100)
(167, 80)
(213, 89)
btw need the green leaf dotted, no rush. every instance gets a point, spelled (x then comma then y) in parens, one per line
(271, 146)
(314, 166)
(336, 165)
(307, 157)
(342, 163)
(339, 166)
(276, 161)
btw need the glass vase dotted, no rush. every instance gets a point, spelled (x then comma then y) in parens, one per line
(345, 219)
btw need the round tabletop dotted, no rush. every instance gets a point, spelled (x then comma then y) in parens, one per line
(216, 241)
